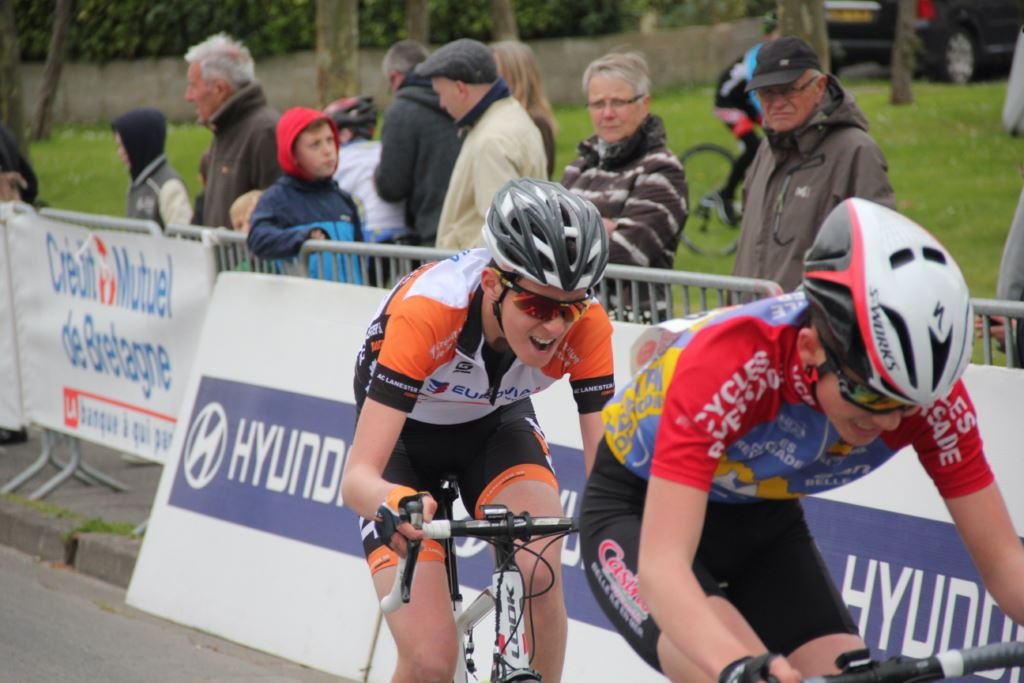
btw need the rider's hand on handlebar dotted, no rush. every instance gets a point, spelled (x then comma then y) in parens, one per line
(766, 668)
(393, 523)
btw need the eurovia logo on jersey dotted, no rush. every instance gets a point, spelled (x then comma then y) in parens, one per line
(269, 460)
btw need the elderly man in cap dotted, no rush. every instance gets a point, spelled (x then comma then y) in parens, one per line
(816, 153)
(500, 141)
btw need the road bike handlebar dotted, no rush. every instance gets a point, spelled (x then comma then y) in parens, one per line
(496, 525)
(948, 664)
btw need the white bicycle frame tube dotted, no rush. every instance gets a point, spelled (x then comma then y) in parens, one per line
(512, 651)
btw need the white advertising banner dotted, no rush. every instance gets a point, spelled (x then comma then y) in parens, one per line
(107, 329)
(248, 537)
(11, 416)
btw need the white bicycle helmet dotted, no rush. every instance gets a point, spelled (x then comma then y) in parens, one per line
(894, 304)
(547, 234)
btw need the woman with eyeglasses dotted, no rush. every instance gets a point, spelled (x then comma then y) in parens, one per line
(626, 168)
(443, 387)
(692, 533)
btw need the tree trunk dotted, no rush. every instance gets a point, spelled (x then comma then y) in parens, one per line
(806, 19)
(11, 113)
(51, 72)
(903, 54)
(503, 17)
(417, 21)
(337, 49)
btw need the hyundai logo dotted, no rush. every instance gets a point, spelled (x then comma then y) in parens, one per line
(205, 445)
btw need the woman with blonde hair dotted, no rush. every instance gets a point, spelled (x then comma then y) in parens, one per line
(518, 66)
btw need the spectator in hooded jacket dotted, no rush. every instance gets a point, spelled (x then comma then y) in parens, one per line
(156, 191)
(816, 153)
(419, 143)
(305, 203)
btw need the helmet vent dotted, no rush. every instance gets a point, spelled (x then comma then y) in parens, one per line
(899, 326)
(901, 258)
(935, 255)
(940, 357)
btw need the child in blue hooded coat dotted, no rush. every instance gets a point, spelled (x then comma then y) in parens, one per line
(305, 202)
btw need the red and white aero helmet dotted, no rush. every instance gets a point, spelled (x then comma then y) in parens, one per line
(895, 306)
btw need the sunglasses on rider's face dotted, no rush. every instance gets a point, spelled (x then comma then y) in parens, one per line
(544, 308)
(860, 394)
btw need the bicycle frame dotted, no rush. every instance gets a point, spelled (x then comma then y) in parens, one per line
(506, 595)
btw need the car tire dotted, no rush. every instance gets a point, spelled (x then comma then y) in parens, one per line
(959, 60)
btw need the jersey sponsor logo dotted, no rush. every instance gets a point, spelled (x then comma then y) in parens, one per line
(948, 421)
(567, 355)
(620, 584)
(375, 329)
(722, 416)
(391, 380)
(597, 387)
(443, 346)
(435, 386)
(463, 367)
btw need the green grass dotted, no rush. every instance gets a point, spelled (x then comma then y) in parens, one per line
(94, 525)
(953, 168)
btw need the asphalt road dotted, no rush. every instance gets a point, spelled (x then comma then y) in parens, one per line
(58, 626)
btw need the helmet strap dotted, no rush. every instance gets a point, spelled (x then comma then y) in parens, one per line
(496, 309)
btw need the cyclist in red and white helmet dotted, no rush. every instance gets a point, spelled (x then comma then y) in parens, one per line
(694, 496)
(443, 386)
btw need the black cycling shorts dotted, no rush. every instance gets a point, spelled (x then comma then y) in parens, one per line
(485, 455)
(759, 556)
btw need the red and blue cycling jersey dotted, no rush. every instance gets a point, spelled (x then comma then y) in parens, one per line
(727, 408)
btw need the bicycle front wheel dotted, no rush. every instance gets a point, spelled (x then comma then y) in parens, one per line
(707, 231)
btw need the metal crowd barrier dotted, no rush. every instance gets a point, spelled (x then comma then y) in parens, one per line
(995, 311)
(628, 293)
(99, 222)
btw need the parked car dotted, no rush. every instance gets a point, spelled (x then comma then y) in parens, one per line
(959, 38)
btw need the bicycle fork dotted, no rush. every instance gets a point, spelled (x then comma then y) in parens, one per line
(512, 649)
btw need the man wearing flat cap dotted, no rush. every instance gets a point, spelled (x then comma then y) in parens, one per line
(500, 141)
(816, 153)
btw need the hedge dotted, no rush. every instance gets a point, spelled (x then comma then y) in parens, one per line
(105, 30)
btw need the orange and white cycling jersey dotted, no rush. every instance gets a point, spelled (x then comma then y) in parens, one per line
(424, 349)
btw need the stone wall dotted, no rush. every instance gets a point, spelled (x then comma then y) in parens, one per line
(92, 93)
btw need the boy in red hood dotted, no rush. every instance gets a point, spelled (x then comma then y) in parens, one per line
(305, 203)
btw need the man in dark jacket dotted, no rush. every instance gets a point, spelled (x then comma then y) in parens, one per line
(419, 143)
(243, 155)
(816, 153)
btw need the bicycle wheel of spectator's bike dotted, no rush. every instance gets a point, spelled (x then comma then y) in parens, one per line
(708, 229)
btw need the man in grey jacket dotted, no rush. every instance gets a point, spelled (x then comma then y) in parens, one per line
(243, 155)
(419, 143)
(816, 153)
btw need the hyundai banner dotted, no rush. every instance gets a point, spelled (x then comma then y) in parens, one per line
(109, 343)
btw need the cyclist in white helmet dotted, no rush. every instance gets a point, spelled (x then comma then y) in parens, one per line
(443, 386)
(695, 490)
